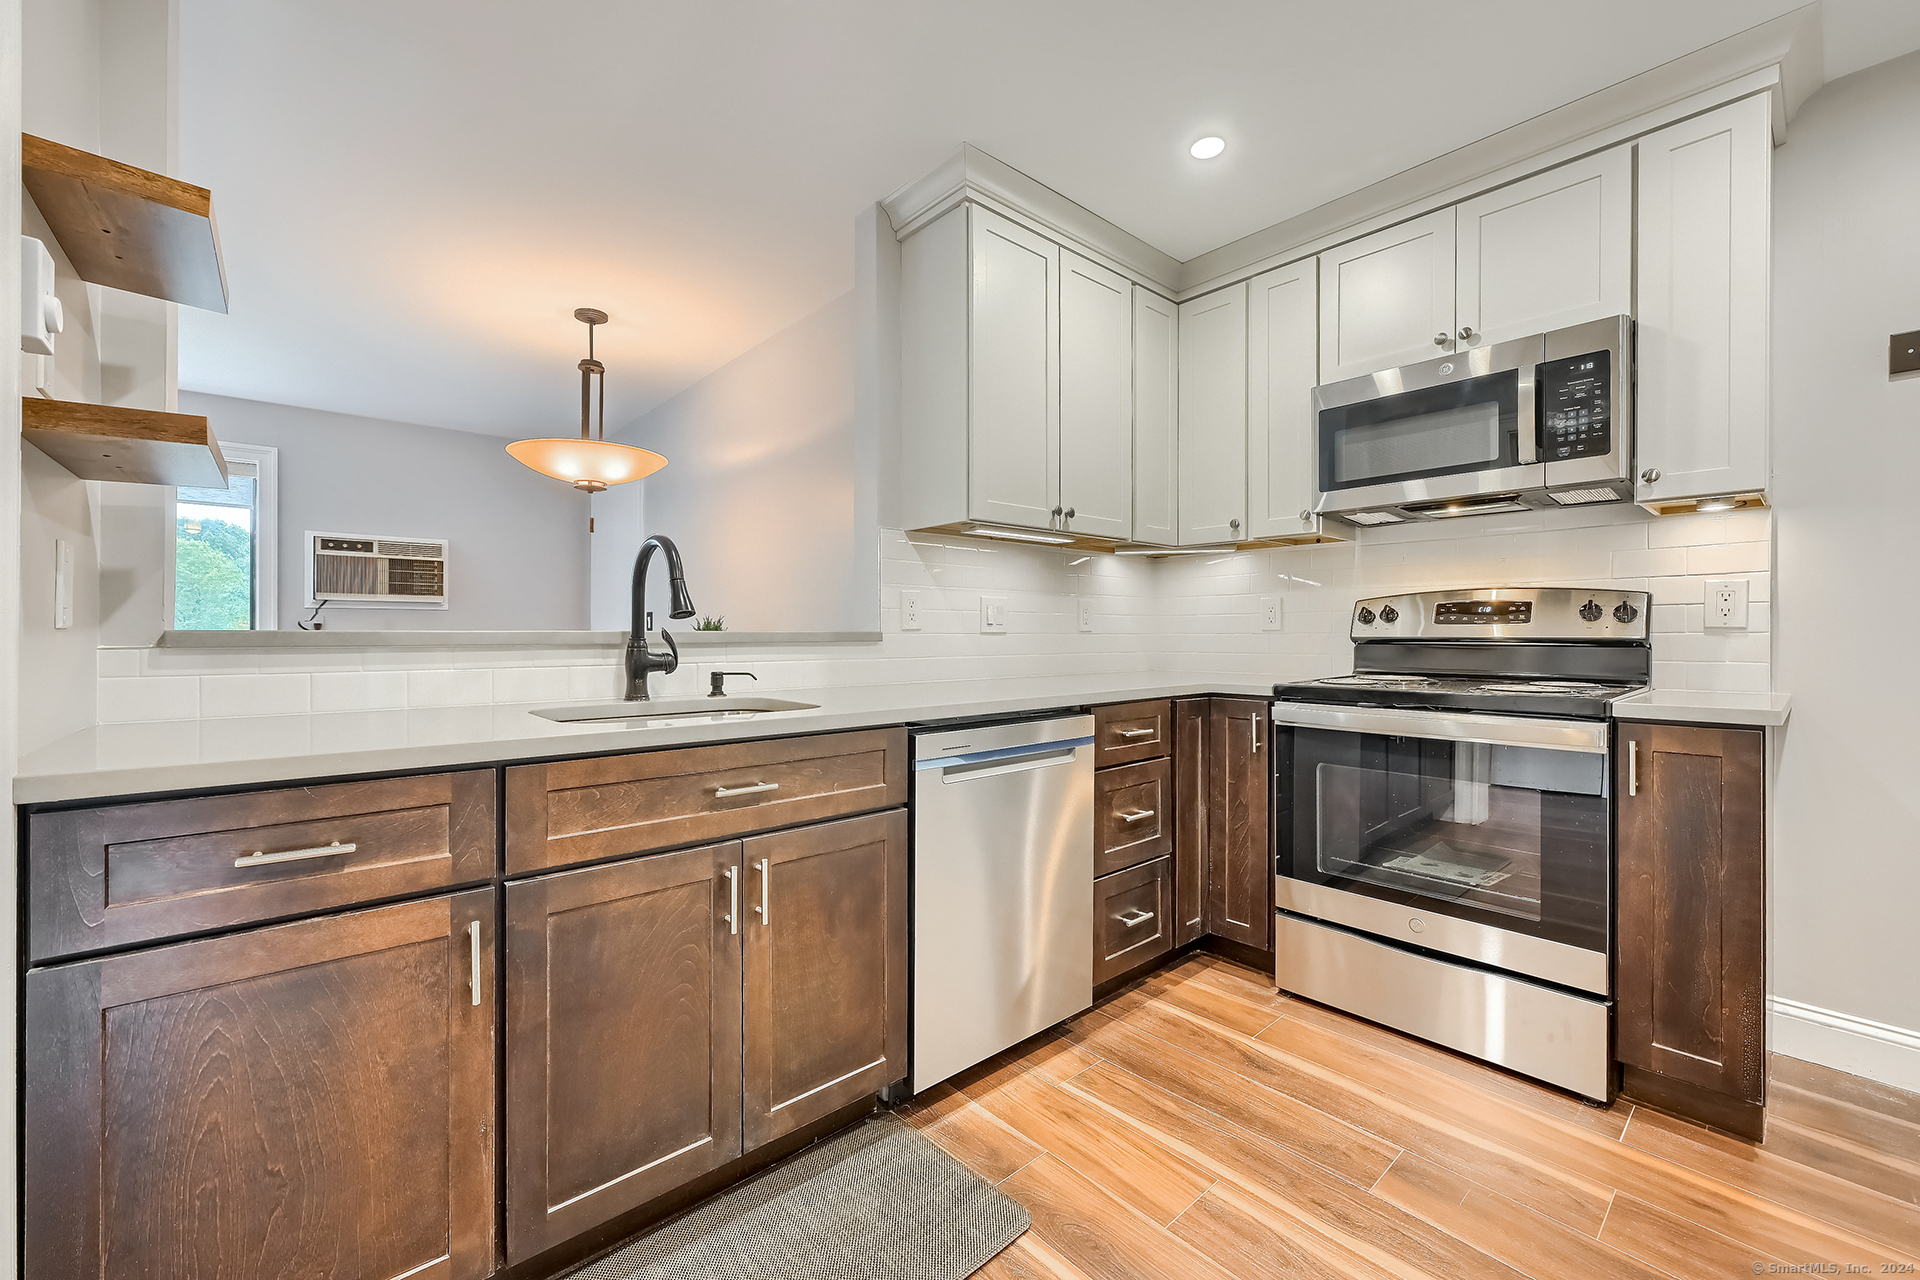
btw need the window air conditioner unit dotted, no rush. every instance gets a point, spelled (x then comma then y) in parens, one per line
(376, 571)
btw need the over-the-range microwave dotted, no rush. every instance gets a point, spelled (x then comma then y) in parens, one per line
(1541, 421)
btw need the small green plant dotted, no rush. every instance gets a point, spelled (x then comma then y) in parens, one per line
(711, 624)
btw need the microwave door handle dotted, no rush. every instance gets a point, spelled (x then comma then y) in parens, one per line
(1529, 419)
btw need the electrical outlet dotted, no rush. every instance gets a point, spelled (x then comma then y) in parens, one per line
(993, 614)
(1727, 604)
(909, 610)
(1083, 609)
(1270, 613)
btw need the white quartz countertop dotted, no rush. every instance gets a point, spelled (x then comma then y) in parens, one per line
(180, 755)
(1694, 706)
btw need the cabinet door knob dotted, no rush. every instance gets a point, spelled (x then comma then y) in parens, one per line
(1055, 513)
(1234, 525)
(1306, 517)
(1440, 339)
(1650, 475)
(1466, 333)
(1069, 513)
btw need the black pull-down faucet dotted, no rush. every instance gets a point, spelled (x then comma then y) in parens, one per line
(642, 661)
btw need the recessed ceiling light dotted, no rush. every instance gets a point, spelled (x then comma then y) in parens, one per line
(1207, 148)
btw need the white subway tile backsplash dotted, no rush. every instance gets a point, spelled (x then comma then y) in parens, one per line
(1186, 616)
(346, 691)
(449, 688)
(149, 698)
(286, 694)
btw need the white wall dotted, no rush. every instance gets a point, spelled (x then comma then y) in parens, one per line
(1846, 859)
(518, 558)
(765, 478)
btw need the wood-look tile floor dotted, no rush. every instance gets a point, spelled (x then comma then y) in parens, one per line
(1199, 1125)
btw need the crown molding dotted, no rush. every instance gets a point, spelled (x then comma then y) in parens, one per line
(1783, 56)
(972, 174)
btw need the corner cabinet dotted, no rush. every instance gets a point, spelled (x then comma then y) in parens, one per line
(1702, 403)
(1156, 419)
(1016, 381)
(1213, 417)
(1691, 976)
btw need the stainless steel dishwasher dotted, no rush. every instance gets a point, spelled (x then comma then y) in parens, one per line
(1003, 887)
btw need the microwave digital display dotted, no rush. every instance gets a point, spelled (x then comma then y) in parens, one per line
(1489, 613)
(1576, 416)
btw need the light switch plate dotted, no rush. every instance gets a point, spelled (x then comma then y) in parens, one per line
(909, 610)
(1083, 610)
(1726, 604)
(1270, 613)
(993, 614)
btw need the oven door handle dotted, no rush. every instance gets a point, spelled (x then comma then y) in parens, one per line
(1587, 736)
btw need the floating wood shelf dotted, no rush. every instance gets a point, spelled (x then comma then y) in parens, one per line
(125, 227)
(138, 446)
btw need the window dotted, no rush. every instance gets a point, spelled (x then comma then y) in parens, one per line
(225, 547)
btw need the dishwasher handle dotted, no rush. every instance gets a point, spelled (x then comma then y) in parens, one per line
(1004, 760)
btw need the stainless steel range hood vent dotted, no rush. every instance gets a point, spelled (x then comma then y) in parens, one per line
(1488, 504)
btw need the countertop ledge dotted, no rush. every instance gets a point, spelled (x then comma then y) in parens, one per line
(259, 641)
(1694, 706)
(118, 761)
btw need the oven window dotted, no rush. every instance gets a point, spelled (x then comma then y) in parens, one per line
(1498, 833)
(1470, 425)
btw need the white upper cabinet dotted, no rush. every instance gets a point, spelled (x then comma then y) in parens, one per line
(1156, 416)
(1096, 399)
(1213, 417)
(1282, 361)
(1702, 405)
(1387, 299)
(1013, 384)
(1549, 251)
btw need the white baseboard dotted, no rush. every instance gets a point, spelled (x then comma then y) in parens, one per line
(1858, 1046)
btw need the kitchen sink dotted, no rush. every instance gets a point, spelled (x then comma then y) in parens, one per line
(670, 708)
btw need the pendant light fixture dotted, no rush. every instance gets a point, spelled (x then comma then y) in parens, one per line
(590, 463)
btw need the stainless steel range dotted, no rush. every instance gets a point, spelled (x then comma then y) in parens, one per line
(1443, 822)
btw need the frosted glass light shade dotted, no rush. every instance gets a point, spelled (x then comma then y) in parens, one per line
(589, 465)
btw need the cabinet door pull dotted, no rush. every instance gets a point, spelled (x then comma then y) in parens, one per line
(1135, 917)
(723, 793)
(473, 957)
(1633, 767)
(1138, 733)
(294, 855)
(733, 899)
(766, 875)
(1136, 815)
(1253, 727)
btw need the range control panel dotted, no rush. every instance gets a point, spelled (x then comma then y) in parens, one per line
(1504, 613)
(1576, 414)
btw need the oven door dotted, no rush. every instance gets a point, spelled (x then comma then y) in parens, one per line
(1456, 427)
(1485, 837)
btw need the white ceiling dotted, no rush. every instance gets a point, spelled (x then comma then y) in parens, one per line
(413, 197)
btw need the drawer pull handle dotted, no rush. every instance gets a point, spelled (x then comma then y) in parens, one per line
(723, 793)
(1132, 918)
(1137, 815)
(294, 855)
(473, 943)
(1138, 733)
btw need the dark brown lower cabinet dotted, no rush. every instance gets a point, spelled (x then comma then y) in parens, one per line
(1190, 819)
(623, 1038)
(669, 1013)
(314, 1099)
(825, 1007)
(1239, 855)
(1132, 918)
(1691, 1022)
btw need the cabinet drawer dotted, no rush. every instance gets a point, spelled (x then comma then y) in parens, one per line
(1133, 819)
(128, 873)
(1130, 731)
(1132, 918)
(575, 811)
